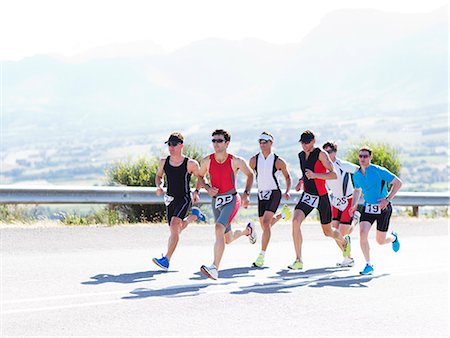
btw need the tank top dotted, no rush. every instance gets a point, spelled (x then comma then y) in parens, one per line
(178, 178)
(222, 175)
(315, 186)
(266, 172)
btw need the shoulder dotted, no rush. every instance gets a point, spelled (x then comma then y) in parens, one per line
(191, 161)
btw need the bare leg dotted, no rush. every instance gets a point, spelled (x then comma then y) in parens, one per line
(364, 228)
(219, 245)
(175, 230)
(299, 217)
(382, 239)
(267, 221)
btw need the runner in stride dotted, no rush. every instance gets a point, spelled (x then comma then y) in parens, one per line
(222, 168)
(266, 165)
(372, 181)
(178, 170)
(342, 191)
(316, 167)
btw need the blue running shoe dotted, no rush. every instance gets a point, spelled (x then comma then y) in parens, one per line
(368, 269)
(162, 262)
(199, 214)
(396, 243)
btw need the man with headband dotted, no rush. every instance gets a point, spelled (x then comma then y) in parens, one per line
(266, 166)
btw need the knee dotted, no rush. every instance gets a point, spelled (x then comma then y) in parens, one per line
(265, 225)
(380, 239)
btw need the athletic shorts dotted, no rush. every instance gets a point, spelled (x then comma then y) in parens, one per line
(179, 207)
(268, 201)
(228, 207)
(382, 219)
(323, 205)
(342, 216)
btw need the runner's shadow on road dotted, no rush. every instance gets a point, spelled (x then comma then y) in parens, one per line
(284, 287)
(230, 273)
(292, 274)
(125, 278)
(175, 291)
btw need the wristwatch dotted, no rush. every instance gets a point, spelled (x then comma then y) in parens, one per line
(247, 192)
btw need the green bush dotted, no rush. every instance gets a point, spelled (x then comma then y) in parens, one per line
(140, 173)
(383, 155)
(102, 216)
(14, 214)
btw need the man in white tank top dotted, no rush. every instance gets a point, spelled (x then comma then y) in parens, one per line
(267, 165)
(342, 191)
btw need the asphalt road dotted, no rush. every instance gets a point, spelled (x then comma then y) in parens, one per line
(100, 281)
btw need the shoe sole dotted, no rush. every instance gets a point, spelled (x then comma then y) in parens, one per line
(162, 267)
(290, 268)
(365, 274)
(345, 265)
(257, 266)
(206, 273)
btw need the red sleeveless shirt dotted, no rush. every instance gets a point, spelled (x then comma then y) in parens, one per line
(222, 175)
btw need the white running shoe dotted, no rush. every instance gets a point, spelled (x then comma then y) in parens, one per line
(252, 236)
(210, 271)
(347, 262)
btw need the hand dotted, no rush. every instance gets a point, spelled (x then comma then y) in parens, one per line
(212, 191)
(299, 186)
(159, 191)
(245, 200)
(352, 210)
(310, 174)
(383, 203)
(195, 197)
(287, 195)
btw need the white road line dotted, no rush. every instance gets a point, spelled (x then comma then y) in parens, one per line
(242, 288)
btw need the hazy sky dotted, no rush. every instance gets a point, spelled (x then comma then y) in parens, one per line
(67, 27)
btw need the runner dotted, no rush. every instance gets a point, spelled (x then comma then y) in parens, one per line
(372, 181)
(342, 190)
(178, 170)
(222, 168)
(266, 165)
(314, 164)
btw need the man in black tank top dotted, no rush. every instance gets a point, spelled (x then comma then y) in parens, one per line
(178, 170)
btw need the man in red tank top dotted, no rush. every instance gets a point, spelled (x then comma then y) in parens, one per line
(316, 168)
(222, 169)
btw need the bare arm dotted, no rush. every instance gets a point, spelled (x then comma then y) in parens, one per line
(194, 168)
(201, 182)
(281, 165)
(159, 177)
(241, 164)
(330, 175)
(396, 185)
(355, 199)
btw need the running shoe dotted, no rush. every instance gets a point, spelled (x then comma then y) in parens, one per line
(210, 271)
(259, 261)
(297, 265)
(346, 263)
(347, 247)
(252, 235)
(396, 243)
(368, 269)
(200, 216)
(162, 262)
(286, 213)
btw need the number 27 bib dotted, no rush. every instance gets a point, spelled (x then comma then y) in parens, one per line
(311, 200)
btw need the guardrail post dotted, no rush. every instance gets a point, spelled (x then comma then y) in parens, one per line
(415, 211)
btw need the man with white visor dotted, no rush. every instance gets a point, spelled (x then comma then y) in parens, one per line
(266, 166)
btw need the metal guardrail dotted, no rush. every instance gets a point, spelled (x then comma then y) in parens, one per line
(12, 194)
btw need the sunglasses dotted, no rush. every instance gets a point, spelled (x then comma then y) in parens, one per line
(263, 142)
(363, 156)
(330, 151)
(173, 144)
(217, 140)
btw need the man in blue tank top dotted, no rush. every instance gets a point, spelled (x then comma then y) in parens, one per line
(178, 170)
(372, 181)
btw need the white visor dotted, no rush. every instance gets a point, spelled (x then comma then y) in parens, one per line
(265, 137)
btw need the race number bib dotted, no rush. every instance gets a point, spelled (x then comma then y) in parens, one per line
(372, 209)
(265, 195)
(168, 199)
(340, 202)
(222, 200)
(311, 200)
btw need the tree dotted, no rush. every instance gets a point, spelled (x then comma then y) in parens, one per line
(383, 155)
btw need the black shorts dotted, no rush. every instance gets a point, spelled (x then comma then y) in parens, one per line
(270, 204)
(324, 208)
(382, 219)
(179, 207)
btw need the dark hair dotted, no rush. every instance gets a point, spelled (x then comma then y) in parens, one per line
(330, 144)
(226, 134)
(366, 148)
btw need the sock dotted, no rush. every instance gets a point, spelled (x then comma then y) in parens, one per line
(283, 215)
(262, 253)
